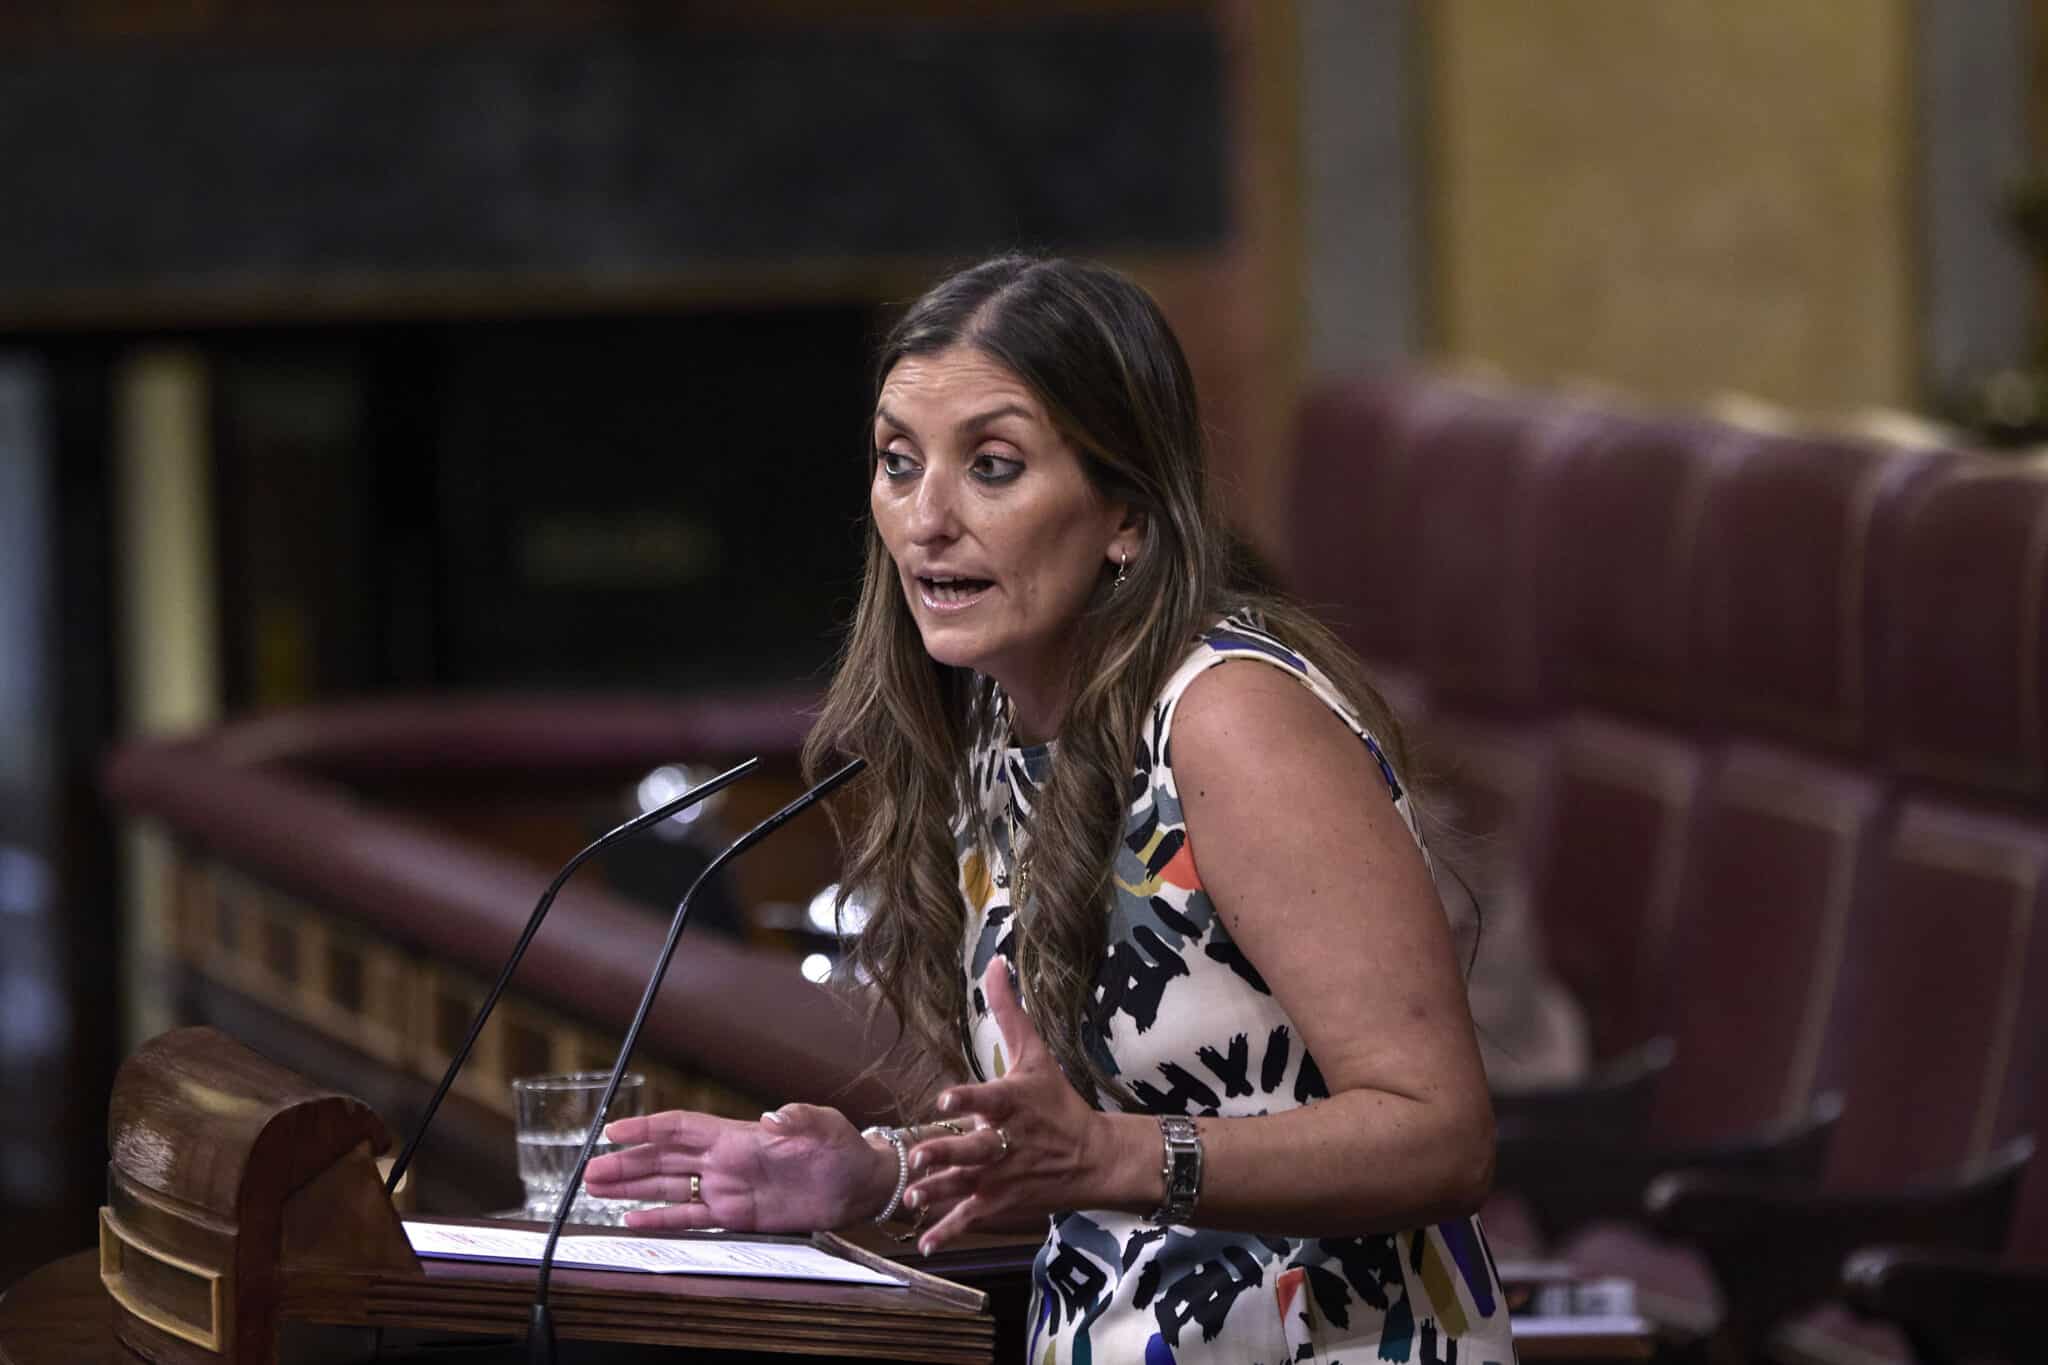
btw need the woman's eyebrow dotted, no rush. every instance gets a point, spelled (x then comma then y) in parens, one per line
(982, 419)
(965, 424)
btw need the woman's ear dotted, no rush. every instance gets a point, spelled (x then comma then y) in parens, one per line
(1129, 539)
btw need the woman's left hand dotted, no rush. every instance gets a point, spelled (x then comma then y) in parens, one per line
(798, 1169)
(1040, 1147)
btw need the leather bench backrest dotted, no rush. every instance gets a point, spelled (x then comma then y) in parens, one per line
(1606, 881)
(1966, 652)
(1674, 670)
(1943, 1022)
(1482, 486)
(1783, 606)
(1346, 554)
(1621, 551)
(1776, 866)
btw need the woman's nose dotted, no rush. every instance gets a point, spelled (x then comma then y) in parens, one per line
(934, 510)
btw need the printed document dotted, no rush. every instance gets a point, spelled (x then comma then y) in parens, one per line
(651, 1255)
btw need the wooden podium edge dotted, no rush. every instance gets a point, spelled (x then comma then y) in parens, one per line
(117, 1244)
(241, 1196)
(500, 1310)
(934, 1319)
(950, 1292)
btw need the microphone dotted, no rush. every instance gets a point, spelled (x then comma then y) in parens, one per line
(540, 912)
(540, 1332)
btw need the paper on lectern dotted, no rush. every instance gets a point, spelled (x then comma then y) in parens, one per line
(648, 1255)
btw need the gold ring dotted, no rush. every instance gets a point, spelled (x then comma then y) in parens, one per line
(696, 1188)
(1003, 1138)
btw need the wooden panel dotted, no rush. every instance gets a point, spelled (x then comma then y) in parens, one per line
(411, 1010)
(1681, 199)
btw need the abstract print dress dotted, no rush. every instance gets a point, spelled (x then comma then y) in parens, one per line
(1184, 1021)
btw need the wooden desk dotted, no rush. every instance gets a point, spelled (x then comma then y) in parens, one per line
(60, 1315)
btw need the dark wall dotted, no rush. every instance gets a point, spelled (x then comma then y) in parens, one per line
(644, 503)
(57, 1025)
(655, 503)
(617, 151)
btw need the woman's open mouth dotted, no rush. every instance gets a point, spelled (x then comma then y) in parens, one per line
(950, 594)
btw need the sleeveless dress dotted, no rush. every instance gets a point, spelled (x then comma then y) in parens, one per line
(1184, 1021)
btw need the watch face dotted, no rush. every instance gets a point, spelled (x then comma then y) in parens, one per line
(1186, 1150)
(1182, 1169)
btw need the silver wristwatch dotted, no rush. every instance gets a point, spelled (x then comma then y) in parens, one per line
(1182, 1167)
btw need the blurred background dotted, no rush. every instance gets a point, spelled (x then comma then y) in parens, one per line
(451, 417)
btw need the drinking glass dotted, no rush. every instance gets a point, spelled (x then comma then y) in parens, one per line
(553, 1114)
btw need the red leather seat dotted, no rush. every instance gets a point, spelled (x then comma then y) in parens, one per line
(1939, 1048)
(1779, 854)
(1622, 551)
(1483, 486)
(1346, 554)
(1779, 859)
(1614, 556)
(1966, 652)
(1786, 622)
(1942, 1040)
(1476, 461)
(1607, 873)
(1943, 1031)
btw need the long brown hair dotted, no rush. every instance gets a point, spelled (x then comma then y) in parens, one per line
(1099, 355)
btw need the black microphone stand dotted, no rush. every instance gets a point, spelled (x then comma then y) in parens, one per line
(540, 912)
(540, 1331)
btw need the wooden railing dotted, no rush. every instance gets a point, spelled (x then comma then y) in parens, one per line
(325, 908)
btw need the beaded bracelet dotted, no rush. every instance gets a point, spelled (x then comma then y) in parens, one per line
(894, 1137)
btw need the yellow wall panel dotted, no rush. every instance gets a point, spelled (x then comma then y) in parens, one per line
(1677, 197)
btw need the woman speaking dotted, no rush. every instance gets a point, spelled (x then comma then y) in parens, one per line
(1143, 885)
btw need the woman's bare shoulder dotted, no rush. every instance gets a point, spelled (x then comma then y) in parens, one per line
(1250, 710)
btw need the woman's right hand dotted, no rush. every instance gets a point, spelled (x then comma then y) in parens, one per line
(799, 1168)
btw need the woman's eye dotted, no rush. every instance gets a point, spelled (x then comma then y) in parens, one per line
(992, 468)
(895, 463)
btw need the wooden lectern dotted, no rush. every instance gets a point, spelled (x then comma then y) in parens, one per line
(239, 1196)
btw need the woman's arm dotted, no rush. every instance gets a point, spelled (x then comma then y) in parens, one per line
(1324, 891)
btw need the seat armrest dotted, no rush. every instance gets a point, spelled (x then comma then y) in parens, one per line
(1615, 1098)
(1776, 1247)
(1952, 1305)
(1568, 1176)
(1717, 1208)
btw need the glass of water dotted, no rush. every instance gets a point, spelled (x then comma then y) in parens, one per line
(552, 1115)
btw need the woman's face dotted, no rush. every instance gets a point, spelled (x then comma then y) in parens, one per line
(997, 534)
